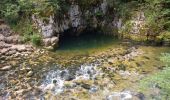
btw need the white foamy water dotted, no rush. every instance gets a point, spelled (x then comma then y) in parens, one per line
(125, 95)
(55, 79)
(87, 72)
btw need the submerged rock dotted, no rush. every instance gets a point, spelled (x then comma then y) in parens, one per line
(86, 86)
(69, 77)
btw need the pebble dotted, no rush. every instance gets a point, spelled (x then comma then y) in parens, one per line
(86, 86)
(30, 73)
(5, 68)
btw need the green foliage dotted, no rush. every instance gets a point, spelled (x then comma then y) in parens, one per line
(13, 9)
(36, 39)
(9, 10)
(26, 29)
(125, 8)
(159, 10)
(159, 80)
(165, 36)
(124, 32)
(86, 4)
(157, 16)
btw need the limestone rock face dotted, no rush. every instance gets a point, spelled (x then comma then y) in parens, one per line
(5, 30)
(47, 30)
(75, 19)
(75, 16)
(138, 22)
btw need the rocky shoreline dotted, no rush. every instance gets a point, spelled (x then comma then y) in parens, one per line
(11, 47)
(29, 74)
(24, 68)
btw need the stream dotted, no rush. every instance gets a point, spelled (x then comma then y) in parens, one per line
(83, 68)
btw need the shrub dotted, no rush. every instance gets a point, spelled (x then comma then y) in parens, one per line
(164, 36)
(36, 39)
(9, 12)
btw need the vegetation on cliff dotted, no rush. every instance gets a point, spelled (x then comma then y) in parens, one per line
(157, 13)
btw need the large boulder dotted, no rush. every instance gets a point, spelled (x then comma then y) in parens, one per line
(51, 42)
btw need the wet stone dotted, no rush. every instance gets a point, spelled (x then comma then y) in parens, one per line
(93, 89)
(126, 95)
(86, 86)
(6, 68)
(139, 64)
(141, 96)
(69, 77)
(146, 57)
(30, 73)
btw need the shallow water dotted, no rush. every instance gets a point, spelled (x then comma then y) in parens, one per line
(88, 67)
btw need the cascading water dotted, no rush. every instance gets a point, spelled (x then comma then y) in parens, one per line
(55, 79)
(88, 72)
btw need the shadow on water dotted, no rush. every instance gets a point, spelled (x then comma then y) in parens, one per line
(85, 41)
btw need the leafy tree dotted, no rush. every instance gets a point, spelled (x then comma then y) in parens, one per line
(13, 9)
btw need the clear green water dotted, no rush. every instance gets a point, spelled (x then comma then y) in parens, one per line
(86, 41)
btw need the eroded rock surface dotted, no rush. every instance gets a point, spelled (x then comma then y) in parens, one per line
(76, 20)
(11, 46)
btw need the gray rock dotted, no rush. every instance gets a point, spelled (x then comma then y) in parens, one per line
(54, 41)
(5, 30)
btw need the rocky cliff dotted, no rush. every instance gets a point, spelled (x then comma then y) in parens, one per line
(78, 18)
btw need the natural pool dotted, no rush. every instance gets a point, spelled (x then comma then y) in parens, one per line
(88, 67)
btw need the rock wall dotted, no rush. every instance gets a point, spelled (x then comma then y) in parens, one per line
(76, 20)
(138, 21)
